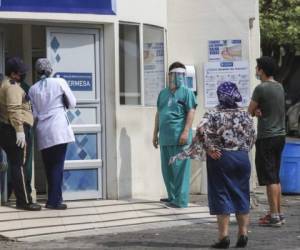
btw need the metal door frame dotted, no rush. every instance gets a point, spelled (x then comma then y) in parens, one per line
(98, 103)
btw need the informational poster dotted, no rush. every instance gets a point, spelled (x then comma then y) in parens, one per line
(225, 50)
(217, 72)
(154, 71)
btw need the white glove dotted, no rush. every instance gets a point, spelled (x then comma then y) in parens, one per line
(21, 141)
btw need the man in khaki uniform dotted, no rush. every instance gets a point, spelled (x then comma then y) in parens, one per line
(15, 122)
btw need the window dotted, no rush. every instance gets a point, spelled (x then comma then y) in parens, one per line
(154, 63)
(130, 85)
(140, 85)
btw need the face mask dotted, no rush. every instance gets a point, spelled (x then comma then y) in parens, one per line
(179, 79)
(257, 77)
(22, 77)
(176, 79)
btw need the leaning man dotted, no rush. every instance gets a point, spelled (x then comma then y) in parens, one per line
(15, 122)
(176, 106)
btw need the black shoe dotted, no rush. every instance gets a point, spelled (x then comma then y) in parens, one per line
(30, 207)
(165, 200)
(170, 204)
(57, 207)
(242, 241)
(224, 243)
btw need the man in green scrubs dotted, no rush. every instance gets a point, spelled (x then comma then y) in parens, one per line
(176, 106)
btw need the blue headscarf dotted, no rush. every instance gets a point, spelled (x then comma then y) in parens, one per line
(228, 95)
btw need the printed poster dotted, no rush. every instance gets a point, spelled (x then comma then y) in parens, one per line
(225, 50)
(154, 71)
(217, 72)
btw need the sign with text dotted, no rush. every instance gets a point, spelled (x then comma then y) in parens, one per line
(217, 72)
(77, 81)
(225, 50)
(104, 7)
(154, 71)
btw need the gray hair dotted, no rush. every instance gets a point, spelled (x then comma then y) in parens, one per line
(43, 67)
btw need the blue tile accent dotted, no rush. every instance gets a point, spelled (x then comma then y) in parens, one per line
(54, 44)
(58, 58)
(77, 112)
(84, 148)
(83, 141)
(70, 116)
(82, 154)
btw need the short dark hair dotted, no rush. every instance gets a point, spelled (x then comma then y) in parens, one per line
(176, 65)
(267, 65)
(15, 65)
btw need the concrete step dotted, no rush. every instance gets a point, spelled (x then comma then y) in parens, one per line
(94, 216)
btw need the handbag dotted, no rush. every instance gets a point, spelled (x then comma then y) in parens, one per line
(65, 101)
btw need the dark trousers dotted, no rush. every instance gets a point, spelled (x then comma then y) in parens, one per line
(17, 158)
(27, 167)
(54, 159)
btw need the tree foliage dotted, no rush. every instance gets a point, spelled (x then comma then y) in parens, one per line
(280, 31)
(280, 22)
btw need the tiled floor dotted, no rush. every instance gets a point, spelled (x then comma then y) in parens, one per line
(92, 215)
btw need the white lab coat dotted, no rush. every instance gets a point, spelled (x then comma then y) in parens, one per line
(52, 124)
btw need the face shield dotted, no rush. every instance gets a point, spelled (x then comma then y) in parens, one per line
(176, 78)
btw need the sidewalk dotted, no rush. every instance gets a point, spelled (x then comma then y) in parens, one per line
(94, 217)
(141, 225)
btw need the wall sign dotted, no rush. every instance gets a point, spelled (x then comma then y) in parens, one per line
(77, 81)
(154, 71)
(225, 50)
(217, 72)
(105, 7)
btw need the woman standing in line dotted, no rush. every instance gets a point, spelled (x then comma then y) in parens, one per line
(225, 136)
(49, 97)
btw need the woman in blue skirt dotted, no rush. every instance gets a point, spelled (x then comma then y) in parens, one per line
(225, 135)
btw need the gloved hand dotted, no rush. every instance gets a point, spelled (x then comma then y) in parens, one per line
(21, 141)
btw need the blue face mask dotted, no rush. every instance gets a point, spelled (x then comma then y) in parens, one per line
(176, 80)
(257, 76)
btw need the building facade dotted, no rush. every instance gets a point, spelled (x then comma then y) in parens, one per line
(114, 55)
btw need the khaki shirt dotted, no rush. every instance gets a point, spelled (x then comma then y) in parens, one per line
(15, 109)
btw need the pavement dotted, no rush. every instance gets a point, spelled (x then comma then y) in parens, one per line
(190, 230)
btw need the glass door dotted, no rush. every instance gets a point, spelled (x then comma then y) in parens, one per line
(75, 55)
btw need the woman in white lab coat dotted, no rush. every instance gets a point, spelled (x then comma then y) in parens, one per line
(50, 97)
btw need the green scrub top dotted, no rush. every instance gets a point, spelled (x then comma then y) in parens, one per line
(172, 110)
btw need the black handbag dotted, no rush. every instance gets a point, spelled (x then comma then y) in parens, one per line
(65, 101)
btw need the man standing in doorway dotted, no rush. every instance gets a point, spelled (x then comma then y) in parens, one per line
(176, 106)
(268, 104)
(15, 122)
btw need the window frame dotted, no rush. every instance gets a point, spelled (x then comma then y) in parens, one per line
(141, 59)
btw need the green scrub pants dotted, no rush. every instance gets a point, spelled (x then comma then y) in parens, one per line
(176, 176)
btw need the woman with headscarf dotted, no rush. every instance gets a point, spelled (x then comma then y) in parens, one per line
(50, 97)
(224, 136)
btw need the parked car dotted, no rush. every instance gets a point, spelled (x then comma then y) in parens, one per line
(293, 120)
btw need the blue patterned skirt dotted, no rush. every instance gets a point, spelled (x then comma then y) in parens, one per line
(228, 183)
